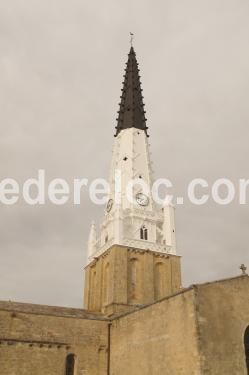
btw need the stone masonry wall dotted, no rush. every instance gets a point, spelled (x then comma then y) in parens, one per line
(223, 316)
(35, 340)
(159, 339)
(123, 277)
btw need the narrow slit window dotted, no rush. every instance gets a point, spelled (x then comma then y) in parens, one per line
(70, 364)
(146, 234)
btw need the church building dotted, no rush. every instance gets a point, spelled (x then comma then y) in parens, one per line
(137, 318)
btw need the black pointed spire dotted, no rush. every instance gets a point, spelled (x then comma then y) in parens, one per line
(131, 112)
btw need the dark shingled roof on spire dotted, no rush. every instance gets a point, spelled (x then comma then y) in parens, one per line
(131, 112)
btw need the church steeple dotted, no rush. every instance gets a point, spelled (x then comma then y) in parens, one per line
(132, 257)
(126, 217)
(131, 112)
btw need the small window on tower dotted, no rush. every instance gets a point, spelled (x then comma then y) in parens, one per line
(70, 363)
(143, 233)
(106, 238)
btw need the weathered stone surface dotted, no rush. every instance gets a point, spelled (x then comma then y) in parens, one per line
(222, 317)
(198, 331)
(159, 339)
(125, 277)
(195, 331)
(35, 340)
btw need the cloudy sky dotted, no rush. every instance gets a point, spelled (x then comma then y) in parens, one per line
(61, 67)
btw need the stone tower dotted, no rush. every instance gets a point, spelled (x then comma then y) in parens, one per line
(132, 259)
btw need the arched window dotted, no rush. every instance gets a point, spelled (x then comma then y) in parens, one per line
(159, 287)
(106, 283)
(70, 364)
(143, 233)
(134, 280)
(93, 285)
(246, 343)
(133, 271)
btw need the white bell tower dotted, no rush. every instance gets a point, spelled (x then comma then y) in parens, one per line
(132, 218)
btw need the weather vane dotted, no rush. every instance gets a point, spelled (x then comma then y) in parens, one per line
(131, 40)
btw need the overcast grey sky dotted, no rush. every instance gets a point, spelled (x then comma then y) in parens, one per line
(61, 67)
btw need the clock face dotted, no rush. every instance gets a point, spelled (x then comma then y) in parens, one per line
(109, 205)
(142, 199)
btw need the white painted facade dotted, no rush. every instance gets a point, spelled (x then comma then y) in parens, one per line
(136, 222)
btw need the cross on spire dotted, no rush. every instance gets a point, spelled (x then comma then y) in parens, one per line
(243, 268)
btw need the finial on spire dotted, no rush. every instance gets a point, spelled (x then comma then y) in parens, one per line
(243, 268)
(131, 39)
